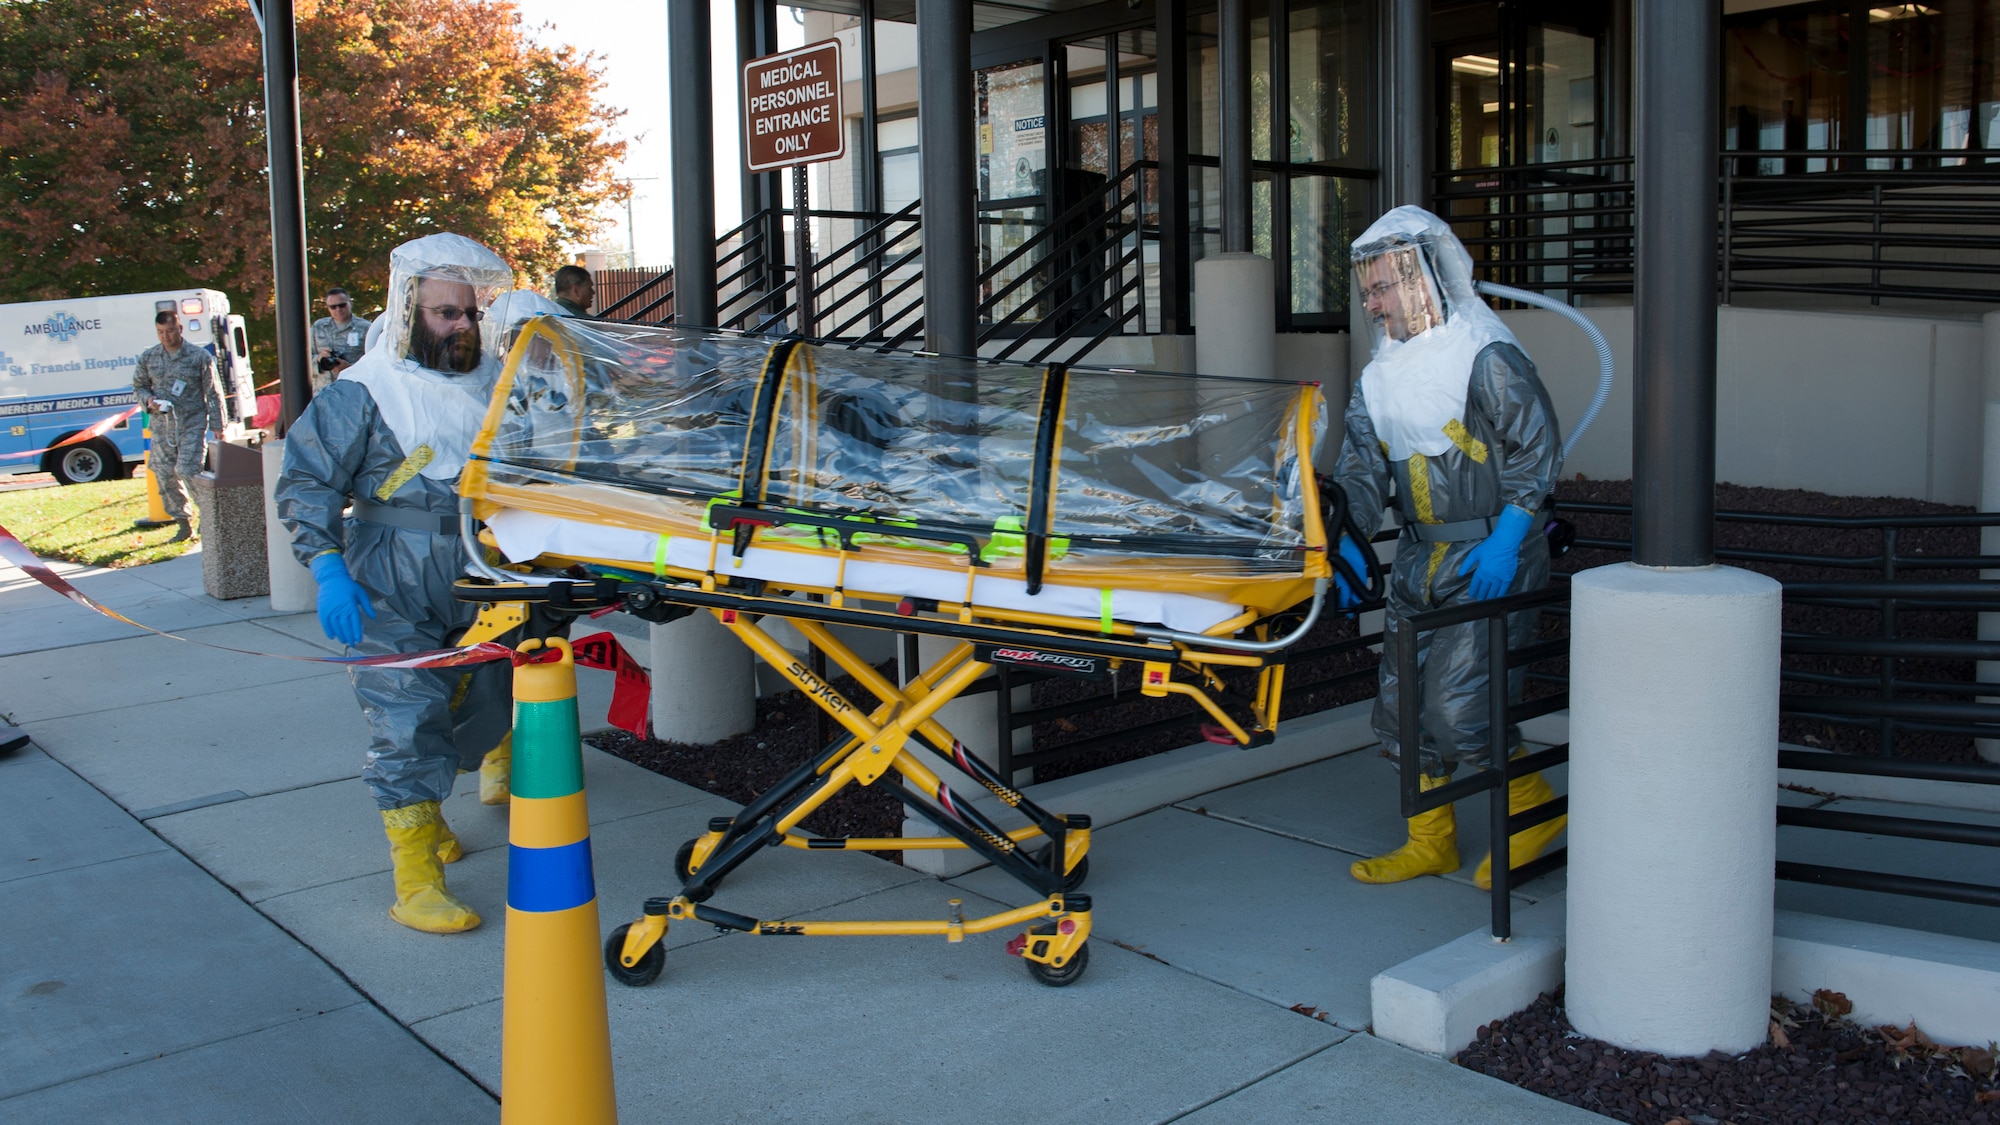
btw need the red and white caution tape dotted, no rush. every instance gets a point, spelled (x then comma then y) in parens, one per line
(96, 431)
(12, 550)
(631, 688)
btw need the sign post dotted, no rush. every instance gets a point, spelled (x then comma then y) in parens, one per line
(792, 117)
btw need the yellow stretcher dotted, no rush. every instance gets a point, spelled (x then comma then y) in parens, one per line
(1057, 518)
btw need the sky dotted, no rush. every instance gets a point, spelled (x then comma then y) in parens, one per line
(629, 40)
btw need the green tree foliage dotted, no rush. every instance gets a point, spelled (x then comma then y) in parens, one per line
(132, 143)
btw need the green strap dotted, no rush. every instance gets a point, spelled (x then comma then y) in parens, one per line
(660, 556)
(1104, 609)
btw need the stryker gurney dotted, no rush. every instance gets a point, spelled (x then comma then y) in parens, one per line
(1059, 518)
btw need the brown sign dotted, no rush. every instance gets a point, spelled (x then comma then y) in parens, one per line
(791, 108)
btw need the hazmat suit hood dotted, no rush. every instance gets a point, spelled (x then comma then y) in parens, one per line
(1413, 290)
(432, 389)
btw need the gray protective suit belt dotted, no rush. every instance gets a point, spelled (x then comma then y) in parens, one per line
(407, 518)
(1457, 531)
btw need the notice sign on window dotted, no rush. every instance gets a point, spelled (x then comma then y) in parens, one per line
(791, 108)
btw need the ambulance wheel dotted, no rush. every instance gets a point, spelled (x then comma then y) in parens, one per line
(684, 861)
(637, 976)
(86, 462)
(1056, 977)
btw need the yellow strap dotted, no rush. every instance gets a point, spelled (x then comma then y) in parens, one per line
(660, 556)
(1467, 444)
(1104, 609)
(1420, 499)
(411, 466)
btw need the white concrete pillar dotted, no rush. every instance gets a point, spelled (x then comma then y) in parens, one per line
(972, 719)
(1672, 781)
(1235, 316)
(1989, 501)
(704, 681)
(292, 587)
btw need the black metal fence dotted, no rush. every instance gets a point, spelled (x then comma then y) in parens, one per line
(1913, 226)
(1884, 701)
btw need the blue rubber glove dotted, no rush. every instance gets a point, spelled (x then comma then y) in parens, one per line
(342, 601)
(1493, 562)
(1350, 552)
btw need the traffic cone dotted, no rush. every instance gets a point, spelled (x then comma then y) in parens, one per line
(156, 508)
(555, 1038)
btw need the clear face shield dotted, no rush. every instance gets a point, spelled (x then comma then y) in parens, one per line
(441, 319)
(440, 289)
(1396, 293)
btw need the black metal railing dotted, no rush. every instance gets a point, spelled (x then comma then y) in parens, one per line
(1873, 226)
(1883, 700)
(1507, 706)
(1080, 279)
(1563, 229)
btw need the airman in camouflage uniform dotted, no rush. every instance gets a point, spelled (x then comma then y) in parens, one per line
(175, 384)
(334, 340)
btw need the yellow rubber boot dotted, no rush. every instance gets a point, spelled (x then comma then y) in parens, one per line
(1524, 793)
(495, 772)
(422, 902)
(449, 850)
(1431, 850)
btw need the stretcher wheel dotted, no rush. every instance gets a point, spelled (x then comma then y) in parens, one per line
(683, 861)
(1057, 977)
(1074, 880)
(648, 969)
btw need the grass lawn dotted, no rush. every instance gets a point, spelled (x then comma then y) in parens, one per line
(88, 523)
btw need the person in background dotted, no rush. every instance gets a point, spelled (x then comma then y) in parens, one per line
(174, 383)
(575, 291)
(389, 439)
(338, 339)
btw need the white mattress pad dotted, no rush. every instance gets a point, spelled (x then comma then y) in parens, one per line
(524, 535)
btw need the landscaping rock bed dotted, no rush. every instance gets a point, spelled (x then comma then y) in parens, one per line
(1817, 1069)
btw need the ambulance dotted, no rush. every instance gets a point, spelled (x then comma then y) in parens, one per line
(66, 366)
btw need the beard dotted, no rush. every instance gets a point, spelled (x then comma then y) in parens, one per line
(454, 354)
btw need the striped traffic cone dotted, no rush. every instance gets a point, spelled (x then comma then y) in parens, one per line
(555, 1040)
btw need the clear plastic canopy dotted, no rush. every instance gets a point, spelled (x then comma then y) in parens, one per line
(651, 427)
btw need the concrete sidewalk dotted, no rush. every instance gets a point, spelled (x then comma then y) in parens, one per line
(193, 925)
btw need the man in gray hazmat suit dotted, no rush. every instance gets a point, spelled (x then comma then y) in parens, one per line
(1451, 420)
(390, 436)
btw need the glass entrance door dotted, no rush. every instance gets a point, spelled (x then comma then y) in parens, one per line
(1520, 147)
(1011, 101)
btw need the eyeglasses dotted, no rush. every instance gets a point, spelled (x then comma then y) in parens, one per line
(336, 304)
(452, 313)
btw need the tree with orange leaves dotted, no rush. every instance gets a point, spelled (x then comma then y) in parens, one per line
(132, 143)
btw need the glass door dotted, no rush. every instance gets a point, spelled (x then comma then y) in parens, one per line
(1520, 144)
(1011, 102)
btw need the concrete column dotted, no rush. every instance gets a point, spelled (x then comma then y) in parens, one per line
(704, 681)
(972, 719)
(1236, 325)
(1406, 95)
(691, 140)
(949, 166)
(1989, 501)
(292, 587)
(1672, 782)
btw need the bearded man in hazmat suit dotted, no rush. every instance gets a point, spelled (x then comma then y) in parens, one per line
(1451, 421)
(390, 438)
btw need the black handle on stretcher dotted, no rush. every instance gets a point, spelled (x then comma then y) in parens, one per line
(743, 522)
(1338, 518)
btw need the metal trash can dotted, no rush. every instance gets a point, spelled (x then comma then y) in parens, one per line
(230, 494)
